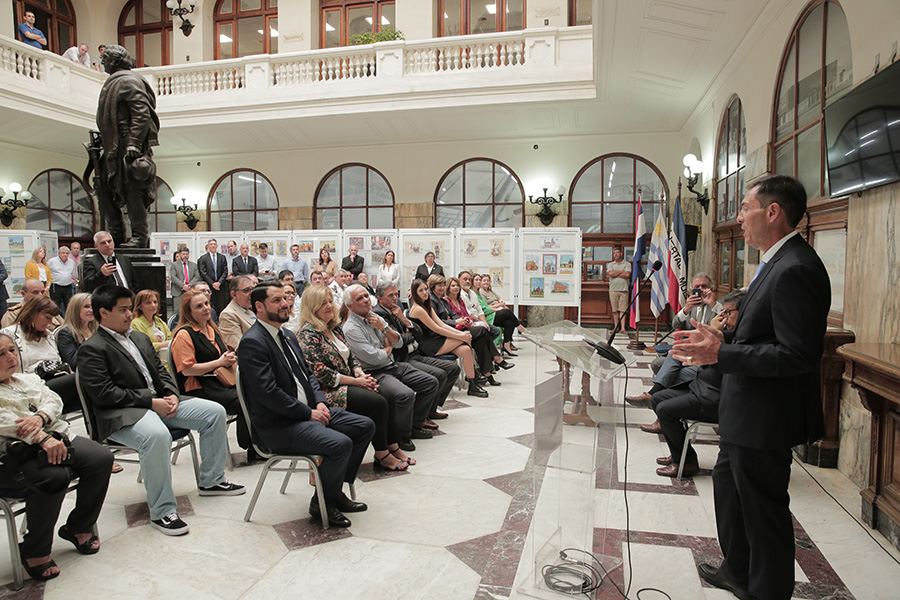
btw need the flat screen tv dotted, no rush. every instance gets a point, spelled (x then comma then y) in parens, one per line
(862, 134)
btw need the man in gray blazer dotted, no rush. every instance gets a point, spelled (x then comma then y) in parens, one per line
(182, 274)
(136, 403)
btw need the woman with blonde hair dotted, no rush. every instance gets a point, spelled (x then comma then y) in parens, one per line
(147, 319)
(342, 379)
(79, 326)
(37, 268)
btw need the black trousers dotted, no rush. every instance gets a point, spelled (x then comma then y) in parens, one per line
(507, 321)
(92, 465)
(211, 389)
(64, 385)
(753, 518)
(484, 348)
(382, 411)
(445, 371)
(673, 405)
(61, 294)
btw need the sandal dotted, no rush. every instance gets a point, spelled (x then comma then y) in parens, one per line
(86, 547)
(399, 455)
(37, 572)
(397, 466)
(117, 468)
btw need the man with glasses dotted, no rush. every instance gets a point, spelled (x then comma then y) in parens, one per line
(238, 316)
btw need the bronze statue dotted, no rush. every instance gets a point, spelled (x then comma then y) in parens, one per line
(121, 154)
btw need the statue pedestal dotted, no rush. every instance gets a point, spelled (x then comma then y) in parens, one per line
(151, 273)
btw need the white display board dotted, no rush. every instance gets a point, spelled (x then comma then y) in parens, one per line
(372, 244)
(278, 242)
(550, 266)
(490, 252)
(311, 243)
(16, 246)
(165, 244)
(415, 243)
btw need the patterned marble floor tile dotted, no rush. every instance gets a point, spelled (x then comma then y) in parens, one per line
(476, 552)
(469, 457)
(307, 532)
(138, 514)
(489, 422)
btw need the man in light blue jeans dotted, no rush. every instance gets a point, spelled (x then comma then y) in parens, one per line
(136, 404)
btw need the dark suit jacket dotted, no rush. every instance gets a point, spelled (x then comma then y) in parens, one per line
(4, 293)
(237, 266)
(92, 278)
(770, 390)
(273, 403)
(442, 310)
(354, 266)
(422, 271)
(205, 266)
(113, 382)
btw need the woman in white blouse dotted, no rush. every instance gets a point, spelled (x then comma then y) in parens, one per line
(389, 271)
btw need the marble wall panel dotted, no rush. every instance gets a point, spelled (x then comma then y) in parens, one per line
(855, 435)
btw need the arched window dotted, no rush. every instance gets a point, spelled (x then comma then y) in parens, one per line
(161, 216)
(815, 69)
(145, 30)
(605, 192)
(60, 203)
(55, 18)
(728, 190)
(354, 196)
(243, 200)
(479, 192)
(343, 19)
(463, 17)
(245, 27)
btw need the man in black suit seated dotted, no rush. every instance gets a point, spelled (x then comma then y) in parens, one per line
(288, 411)
(136, 404)
(107, 267)
(429, 268)
(697, 400)
(244, 264)
(770, 392)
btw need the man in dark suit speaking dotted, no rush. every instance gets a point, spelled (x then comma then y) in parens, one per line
(288, 411)
(107, 267)
(770, 392)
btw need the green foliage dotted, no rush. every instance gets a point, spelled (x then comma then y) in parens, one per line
(385, 35)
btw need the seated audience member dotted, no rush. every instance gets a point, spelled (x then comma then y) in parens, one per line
(286, 276)
(289, 414)
(363, 280)
(697, 400)
(438, 337)
(297, 266)
(203, 287)
(389, 271)
(204, 366)
(428, 268)
(79, 326)
(340, 283)
(136, 403)
(343, 380)
(327, 280)
(504, 318)
(353, 263)
(701, 307)
(266, 263)
(37, 348)
(237, 317)
(488, 355)
(295, 303)
(326, 263)
(32, 289)
(37, 268)
(470, 297)
(30, 411)
(316, 278)
(148, 321)
(445, 371)
(372, 342)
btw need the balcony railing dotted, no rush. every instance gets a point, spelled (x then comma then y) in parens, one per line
(21, 59)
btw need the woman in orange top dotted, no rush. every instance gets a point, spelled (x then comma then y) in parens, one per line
(204, 367)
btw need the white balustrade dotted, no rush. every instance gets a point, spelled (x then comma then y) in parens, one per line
(21, 59)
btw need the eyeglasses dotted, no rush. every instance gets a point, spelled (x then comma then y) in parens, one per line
(246, 290)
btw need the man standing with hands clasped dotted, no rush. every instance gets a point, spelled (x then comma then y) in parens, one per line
(770, 398)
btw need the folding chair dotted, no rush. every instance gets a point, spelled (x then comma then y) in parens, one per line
(693, 433)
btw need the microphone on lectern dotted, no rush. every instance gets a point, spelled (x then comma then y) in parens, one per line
(606, 350)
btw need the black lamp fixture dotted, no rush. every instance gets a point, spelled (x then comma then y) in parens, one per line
(177, 10)
(187, 210)
(692, 170)
(14, 203)
(547, 214)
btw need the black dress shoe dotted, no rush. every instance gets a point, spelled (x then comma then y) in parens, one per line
(493, 381)
(406, 445)
(420, 434)
(717, 578)
(335, 517)
(505, 365)
(345, 504)
(480, 379)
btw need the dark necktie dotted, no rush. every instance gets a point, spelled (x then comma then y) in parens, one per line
(116, 276)
(291, 358)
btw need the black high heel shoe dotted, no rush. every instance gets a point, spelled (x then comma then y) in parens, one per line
(507, 353)
(493, 381)
(505, 365)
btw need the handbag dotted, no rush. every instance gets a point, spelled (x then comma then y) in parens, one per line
(48, 369)
(225, 376)
(14, 453)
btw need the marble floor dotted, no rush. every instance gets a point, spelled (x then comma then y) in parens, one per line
(467, 520)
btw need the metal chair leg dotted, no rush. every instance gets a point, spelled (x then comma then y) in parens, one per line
(287, 476)
(259, 485)
(14, 556)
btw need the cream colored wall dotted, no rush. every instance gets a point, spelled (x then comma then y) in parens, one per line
(417, 19)
(556, 13)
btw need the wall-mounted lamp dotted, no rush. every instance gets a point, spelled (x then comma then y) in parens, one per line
(187, 210)
(14, 203)
(692, 170)
(177, 10)
(547, 214)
